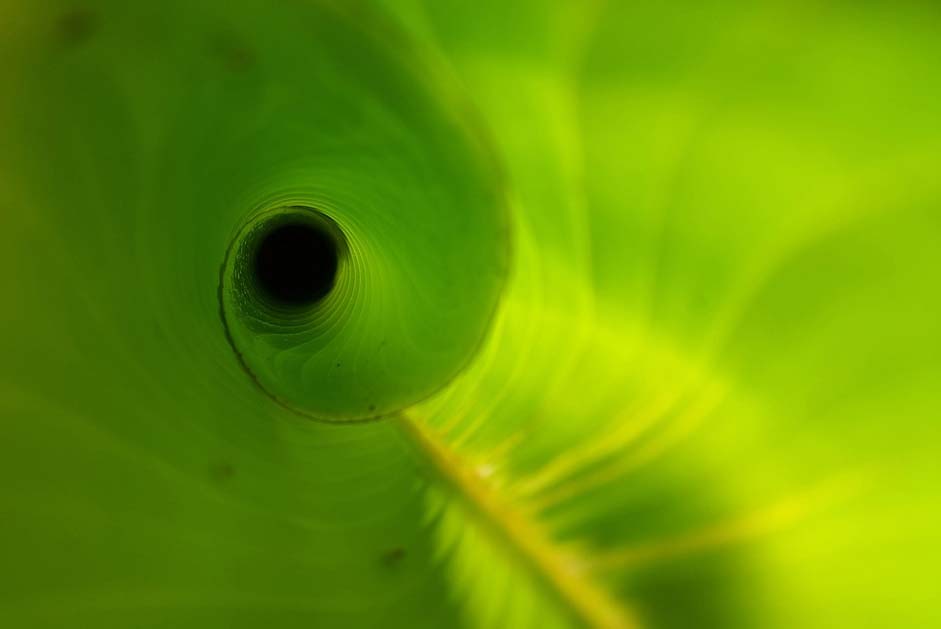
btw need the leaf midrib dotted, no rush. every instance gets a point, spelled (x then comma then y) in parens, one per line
(556, 568)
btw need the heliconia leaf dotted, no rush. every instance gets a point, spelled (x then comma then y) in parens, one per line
(491, 314)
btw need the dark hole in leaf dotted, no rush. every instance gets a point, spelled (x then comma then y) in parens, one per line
(295, 264)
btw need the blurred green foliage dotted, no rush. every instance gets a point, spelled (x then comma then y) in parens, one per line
(709, 395)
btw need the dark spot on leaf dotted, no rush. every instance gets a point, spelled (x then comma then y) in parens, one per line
(393, 556)
(372, 407)
(77, 26)
(237, 55)
(221, 472)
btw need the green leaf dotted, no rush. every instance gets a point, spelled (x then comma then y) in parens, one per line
(641, 300)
